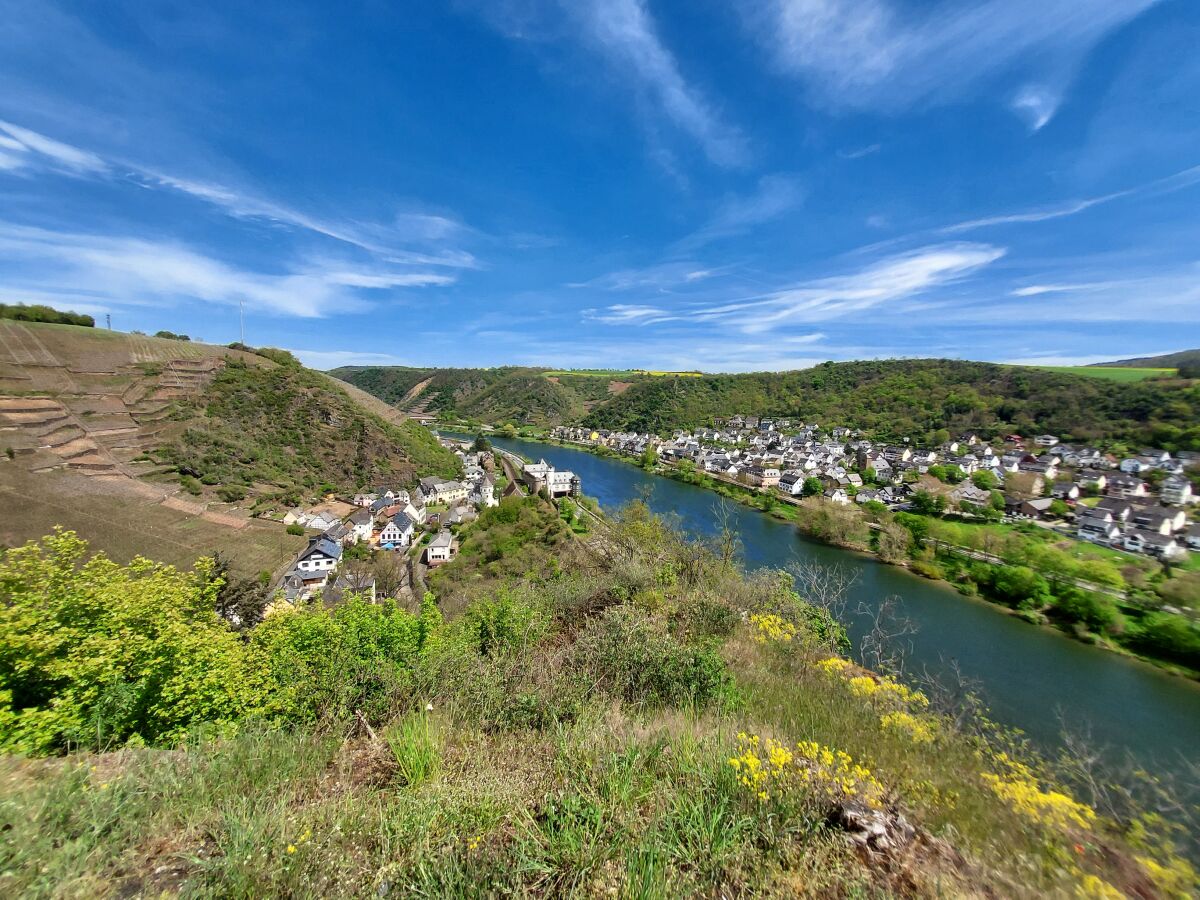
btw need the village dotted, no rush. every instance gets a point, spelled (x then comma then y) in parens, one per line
(420, 526)
(1143, 503)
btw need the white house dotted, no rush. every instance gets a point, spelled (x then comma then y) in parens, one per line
(322, 555)
(397, 533)
(360, 524)
(440, 549)
(561, 484)
(1045, 440)
(1176, 490)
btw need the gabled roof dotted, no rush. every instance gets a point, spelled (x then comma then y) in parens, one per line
(322, 545)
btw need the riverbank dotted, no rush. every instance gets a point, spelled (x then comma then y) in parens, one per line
(1057, 604)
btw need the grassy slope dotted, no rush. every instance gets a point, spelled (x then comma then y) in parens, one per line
(560, 759)
(1110, 373)
(907, 397)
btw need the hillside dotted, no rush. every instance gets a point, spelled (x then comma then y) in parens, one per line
(529, 396)
(1165, 361)
(633, 717)
(897, 398)
(150, 445)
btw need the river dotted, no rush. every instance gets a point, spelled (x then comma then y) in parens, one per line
(1031, 678)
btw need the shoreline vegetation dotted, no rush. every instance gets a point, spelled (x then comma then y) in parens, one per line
(1090, 616)
(565, 715)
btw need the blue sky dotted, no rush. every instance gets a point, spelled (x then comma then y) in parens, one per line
(713, 184)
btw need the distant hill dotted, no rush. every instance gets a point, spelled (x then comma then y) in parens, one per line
(526, 395)
(159, 446)
(1165, 361)
(898, 398)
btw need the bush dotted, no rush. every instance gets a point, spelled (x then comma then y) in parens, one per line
(191, 485)
(1169, 637)
(39, 313)
(295, 528)
(1097, 613)
(633, 655)
(231, 493)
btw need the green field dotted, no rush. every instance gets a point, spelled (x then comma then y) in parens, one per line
(1110, 373)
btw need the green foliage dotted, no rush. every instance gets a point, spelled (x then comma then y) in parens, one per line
(295, 528)
(40, 313)
(1168, 636)
(415, 744)
(528, 396)
(97, 654)
(926, 504)
(899, 398)
(172, 336)
(1097, 613)
(633, 655)
(812, 486)
(984, 480)
(292, 428)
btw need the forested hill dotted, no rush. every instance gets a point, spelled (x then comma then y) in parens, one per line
(531, 396)
(284, 429)
(1163, 361)
(897, 398)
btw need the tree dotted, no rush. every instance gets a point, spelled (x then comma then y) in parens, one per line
(649, 457)
(812, 486)
(391, 572)
(1059, 509)
(984, 479)
(481, 445)
(240, 601)
(927, 504)
(892, 542)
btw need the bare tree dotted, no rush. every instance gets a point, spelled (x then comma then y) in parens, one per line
(885, 646)
(826, 587)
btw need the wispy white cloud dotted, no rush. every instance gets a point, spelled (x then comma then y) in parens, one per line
(624, 35)
(884, 55)
(126, 270)
(860, 152)
(22, 148)
(661, 277)
(894, 278)
(1175, 182)
(774, 196)
(331, 359)
(628, 314)
(1037, 105)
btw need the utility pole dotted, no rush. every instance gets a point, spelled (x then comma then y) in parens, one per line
(108, 321)
(242, 318)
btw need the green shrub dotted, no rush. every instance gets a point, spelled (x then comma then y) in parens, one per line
(295, 528)
(191, 485)
(231, 493)
(634, 656)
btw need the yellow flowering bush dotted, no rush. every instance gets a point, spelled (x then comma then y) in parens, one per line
(1175, 879)
(772, 629)
(833, 665)
(886, 690)
(1093, 887)
(1018, 787)
(770, 768)
(919, 731)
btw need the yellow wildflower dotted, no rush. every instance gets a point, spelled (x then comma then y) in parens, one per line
(291, 848)
(917, 730)
(770, 628)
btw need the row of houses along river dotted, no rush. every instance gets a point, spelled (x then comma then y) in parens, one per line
(1030, 677)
